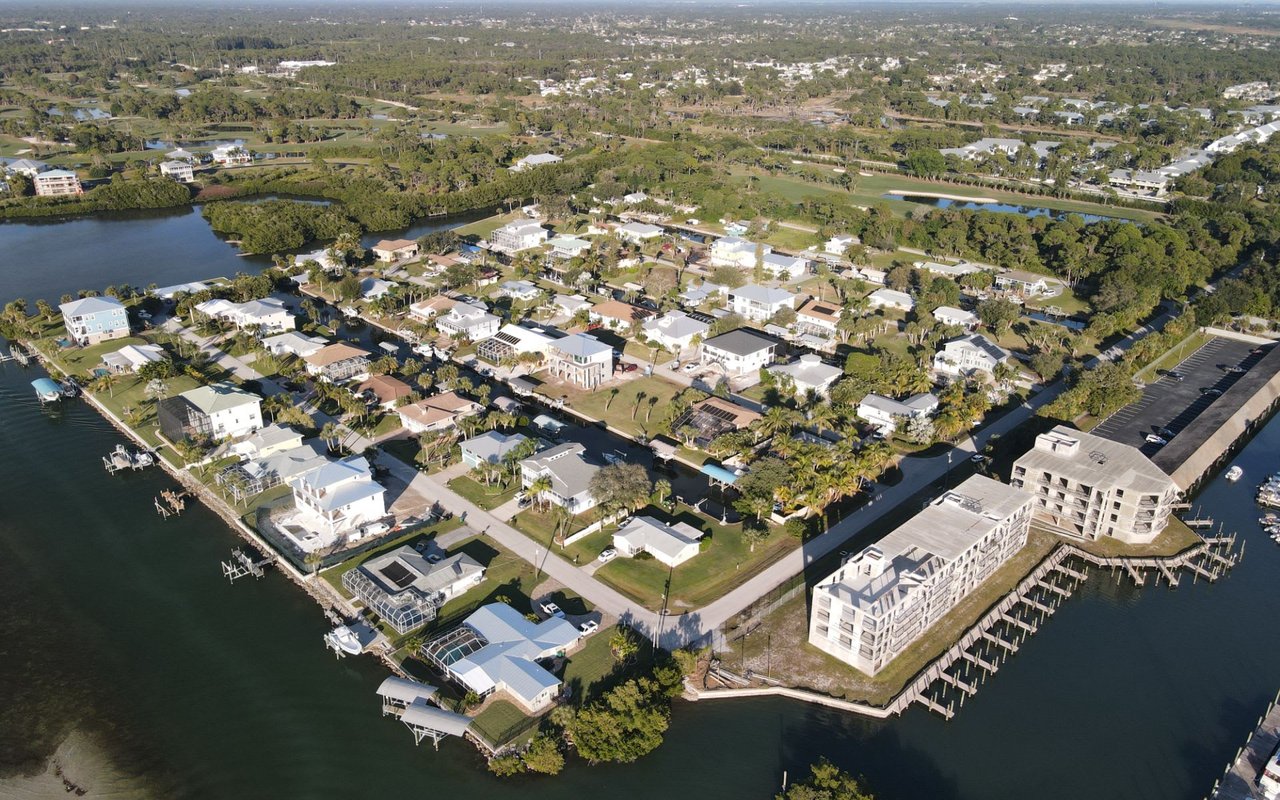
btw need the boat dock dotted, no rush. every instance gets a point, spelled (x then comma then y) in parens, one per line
(1240, 781)
(416, 705)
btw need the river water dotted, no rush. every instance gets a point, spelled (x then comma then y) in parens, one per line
(119, 625)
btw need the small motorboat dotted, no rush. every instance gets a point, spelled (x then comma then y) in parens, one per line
(344, 639)
(1235, 473)
(47, 390)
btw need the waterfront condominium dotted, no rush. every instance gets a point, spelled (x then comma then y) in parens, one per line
(884, 598)
(1087, 487)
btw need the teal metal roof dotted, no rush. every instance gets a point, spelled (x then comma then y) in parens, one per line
(719, 473)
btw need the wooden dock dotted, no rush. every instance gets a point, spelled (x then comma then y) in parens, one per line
(1240, 781)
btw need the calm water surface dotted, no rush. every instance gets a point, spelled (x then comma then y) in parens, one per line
(121, 625)
(1002, 208)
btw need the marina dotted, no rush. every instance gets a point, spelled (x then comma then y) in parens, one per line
(1255, 772)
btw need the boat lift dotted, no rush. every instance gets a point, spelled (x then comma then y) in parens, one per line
(241, 564)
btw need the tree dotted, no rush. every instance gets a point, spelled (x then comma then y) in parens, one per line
(621, 486)
(999, 314)
(623, 645)
(625, 724)
(927, 163)
(826, 782)
(543, 755)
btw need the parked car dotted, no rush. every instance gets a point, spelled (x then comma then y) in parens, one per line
(628, 367)
(1165, 432)
(977, 458)
(1236, 369)
(589, 627)
(1154, 439)
(523, 500)
(552, 610)
(1177, 376)
(691, 366)
(1212, 391)
(371, 530)
(608, 554)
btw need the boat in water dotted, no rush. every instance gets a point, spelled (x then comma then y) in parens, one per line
(47, 390)
(1235, 473)
(343, 639)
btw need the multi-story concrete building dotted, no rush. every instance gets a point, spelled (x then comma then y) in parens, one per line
(1088, 487)
(886, 597)
(57, 183)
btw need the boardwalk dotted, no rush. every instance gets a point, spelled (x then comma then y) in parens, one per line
(1241, 779)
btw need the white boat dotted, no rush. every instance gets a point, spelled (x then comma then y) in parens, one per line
(344, 639)
(1235, 473)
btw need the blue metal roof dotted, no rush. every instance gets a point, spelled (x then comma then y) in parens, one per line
(719, 473)
(45, 386)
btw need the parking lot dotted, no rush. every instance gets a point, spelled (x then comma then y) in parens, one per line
(1170, 404)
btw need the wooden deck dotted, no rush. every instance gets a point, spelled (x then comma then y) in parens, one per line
(1241, 779)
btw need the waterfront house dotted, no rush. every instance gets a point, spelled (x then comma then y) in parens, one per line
(132, 357)
(968, 356)
(26, 166)
(806, 374)
(372, 288)
(734, 251)
(497, 649)
(889, 298)
(889, 415)
(671, 545)
(384, 391)
(231, 155)
(268, 315)
(217, 411)
(292, 343)
(759, 303)
(1087, 487)
(438, 412)
(702, 422)
(334, 499)
(956, 317)
(180, 171)
(427, 310)
(469, 322)
(391, 250)
(512, 341)
(569, 472)
(406, 590)
(739, 352)
(267, 441)
(581, 360)
(536, 160)
(818, 318)
(57, 183)
(617, 315)
(639, 232)
(338, 362)
(516, 236)
(270, 469)
(94, 319)
(953, 271)
(884, 598)
(675, 330)
(490, 447)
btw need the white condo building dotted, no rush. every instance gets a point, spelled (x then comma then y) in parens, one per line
(884, 598)
(1088, 487)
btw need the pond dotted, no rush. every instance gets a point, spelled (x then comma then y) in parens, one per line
(1000, 208)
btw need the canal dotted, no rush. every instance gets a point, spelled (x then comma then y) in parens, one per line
(119, 626)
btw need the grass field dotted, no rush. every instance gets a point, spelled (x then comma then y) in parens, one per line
(622, 405)
(487, 497)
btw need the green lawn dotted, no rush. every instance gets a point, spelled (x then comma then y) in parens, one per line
(487, 497)
(488, 225)
(616, 404)
(593, 669)
(540, 524)
(727, 560)
(500, 721)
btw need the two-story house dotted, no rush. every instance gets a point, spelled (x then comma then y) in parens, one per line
(94, 319)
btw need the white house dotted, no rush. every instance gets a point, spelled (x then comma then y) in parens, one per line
(670, 544)
(580, 359)
(807, 374)
(427, 310)
(267, 314)
(502, 652)
(520, 291)
(338, 362)
(490, 447)
(1027, 284)
(570, 304)
(219, 411)
(468, 322)
(887, 414)
(231, 155)
(785, 267)
(739, 352)
(759, 303)
(57, 183)
(675, 330)
(133, 357)
(968, 355)
(570, 475)
(336, 498)
(948, 270)
(293, 343)
(888, 298)
(839, 244)
(520, 235)
(957, 317)
(406, 589)
(95, 319)
(568, 246)
(180, 171)
(535, 160)
(638, 232)
(514, 340)
(818, 318)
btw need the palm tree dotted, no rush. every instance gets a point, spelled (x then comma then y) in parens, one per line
(777, 421)
(537, 488)
(640, 396)
(329, 434)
